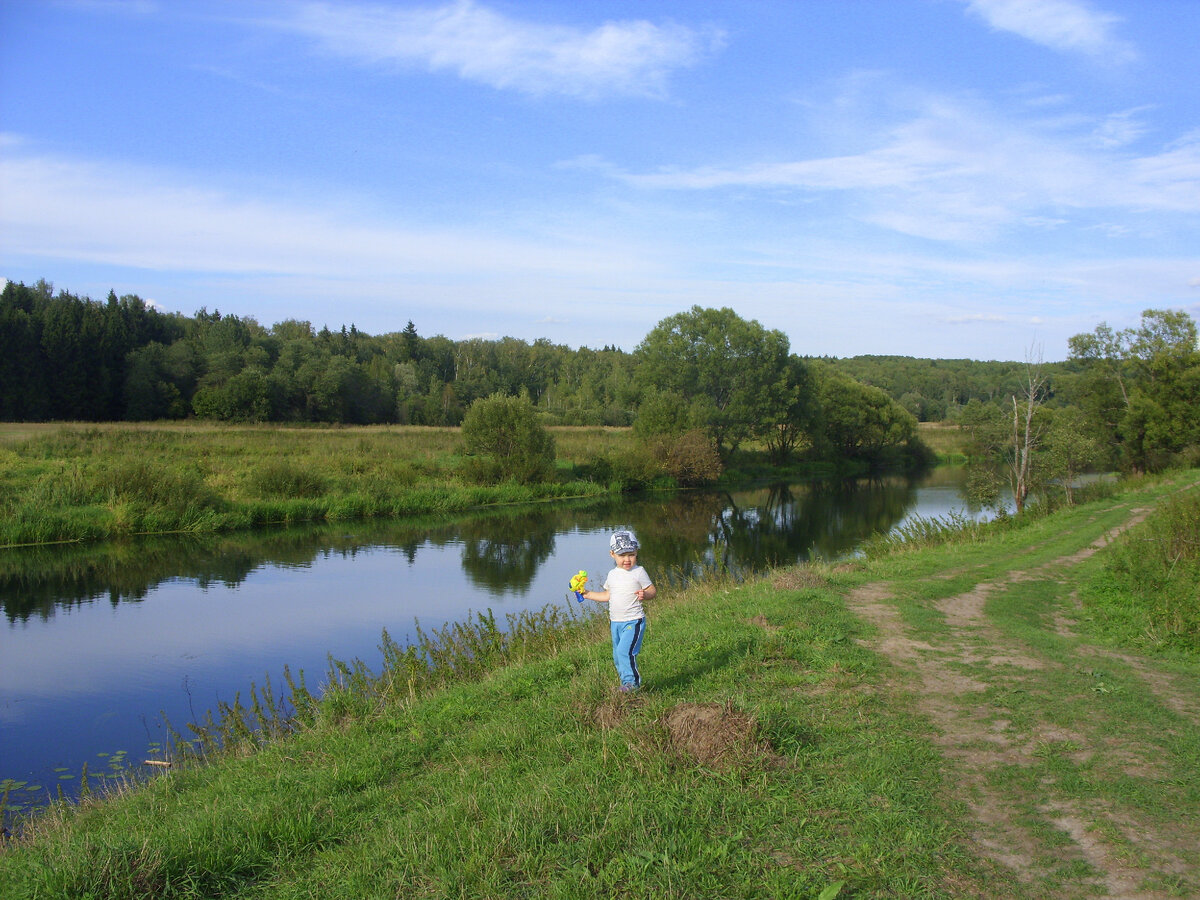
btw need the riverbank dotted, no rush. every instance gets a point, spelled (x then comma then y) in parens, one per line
(88, 482)
(940, 722)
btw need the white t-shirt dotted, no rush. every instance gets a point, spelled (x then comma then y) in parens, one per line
(622, 587)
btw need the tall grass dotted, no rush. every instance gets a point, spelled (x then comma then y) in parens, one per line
(456, 653)
(1148, 594)
(948, 442)
(69, 482)
(921, 532)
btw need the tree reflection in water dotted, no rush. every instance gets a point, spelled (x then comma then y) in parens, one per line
(502, 550)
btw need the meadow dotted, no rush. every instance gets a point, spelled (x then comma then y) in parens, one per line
(947, 718)
(949, 442)
(82, 482)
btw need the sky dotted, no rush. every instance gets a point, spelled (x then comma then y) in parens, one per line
(934, 178)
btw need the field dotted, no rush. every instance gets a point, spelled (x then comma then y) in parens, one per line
(947, 441)
(954, 719)
(93, 481)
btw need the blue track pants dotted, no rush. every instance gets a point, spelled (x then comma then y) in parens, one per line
(627, 643)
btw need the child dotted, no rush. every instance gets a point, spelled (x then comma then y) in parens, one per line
(626, 586)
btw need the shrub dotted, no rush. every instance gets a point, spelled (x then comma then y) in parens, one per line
(691, 458)
(505, 441)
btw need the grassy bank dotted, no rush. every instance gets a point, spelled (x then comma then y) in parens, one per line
(948, 442)
(948, 721)
(88, 482)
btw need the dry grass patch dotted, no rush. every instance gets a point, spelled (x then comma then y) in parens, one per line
(712, 734)
(800, 578)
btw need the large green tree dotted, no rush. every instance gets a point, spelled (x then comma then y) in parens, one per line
(860, 422)
(732, 374)
(1142, 386)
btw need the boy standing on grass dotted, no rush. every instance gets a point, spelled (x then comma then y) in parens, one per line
(626, 586)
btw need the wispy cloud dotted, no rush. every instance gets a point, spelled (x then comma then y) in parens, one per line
(618, 57)
(66, 208)
(958, 170)
(1066, 25)
(1120, 129)
(974, 318)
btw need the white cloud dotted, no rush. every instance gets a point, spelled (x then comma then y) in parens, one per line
(627, 57)
(954, 170)
(1119, 129)
(63, 208)
(1066, 25)
(974, 318)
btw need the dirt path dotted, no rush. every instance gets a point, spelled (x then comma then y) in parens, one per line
(1014, 770)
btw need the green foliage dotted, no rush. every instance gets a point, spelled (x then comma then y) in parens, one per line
(663, 412)
(506, 440)
(82, 483)
(282, 478)
(1141, 388)
(933, 390)
(1071, 448)
(731, 375)
(860, 422)
(64, 357)
(688, 459)
(1149, 592)
(241, 398)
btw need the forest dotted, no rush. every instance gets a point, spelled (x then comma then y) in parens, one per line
(1125, 397)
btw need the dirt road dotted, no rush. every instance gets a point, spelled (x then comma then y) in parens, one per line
(1066, 754)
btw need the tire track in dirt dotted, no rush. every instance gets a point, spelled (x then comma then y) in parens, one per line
(978, 738)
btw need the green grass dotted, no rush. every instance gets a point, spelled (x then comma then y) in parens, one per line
(1148, 593)
(88, 482)
(779, 749)
(540, 780)
(949, 442)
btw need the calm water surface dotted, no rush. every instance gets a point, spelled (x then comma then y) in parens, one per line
(98, 643)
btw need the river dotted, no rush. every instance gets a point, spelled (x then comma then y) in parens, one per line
(98, 643)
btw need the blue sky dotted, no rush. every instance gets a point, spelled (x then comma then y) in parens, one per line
(934, 178)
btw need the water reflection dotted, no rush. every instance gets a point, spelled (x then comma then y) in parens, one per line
(98, 640)
(502, 551)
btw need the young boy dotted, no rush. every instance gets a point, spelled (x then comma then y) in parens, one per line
(626, 586)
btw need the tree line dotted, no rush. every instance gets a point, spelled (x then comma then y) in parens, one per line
(65, 357)
(702, 384)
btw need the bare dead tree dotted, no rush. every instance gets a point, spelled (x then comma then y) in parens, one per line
(1026, 433)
